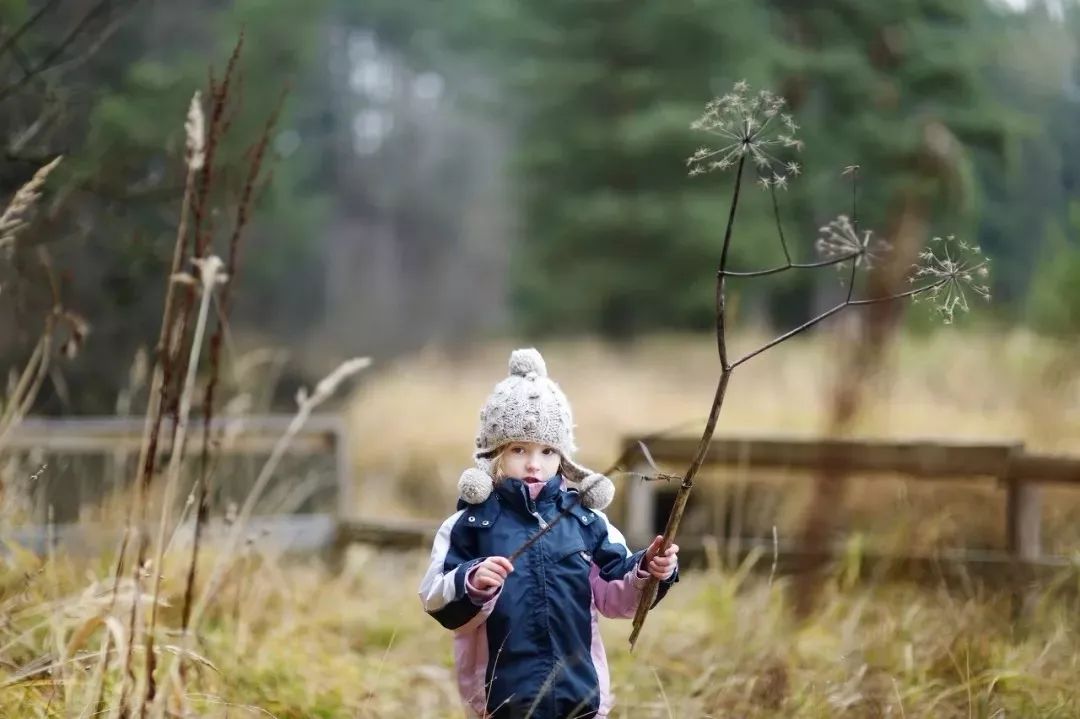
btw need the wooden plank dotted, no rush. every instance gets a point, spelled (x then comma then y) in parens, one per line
(289, 532)
(997, 569)
(1023, 511)
(1050, 468)
(398, 533)
(916, 458)
(640, 507)
(994, 568)
(919, 458)
(257, 433)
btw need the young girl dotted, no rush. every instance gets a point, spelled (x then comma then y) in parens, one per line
(526, 642)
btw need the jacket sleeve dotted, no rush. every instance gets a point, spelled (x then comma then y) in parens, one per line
(443, 590)
(617, 579)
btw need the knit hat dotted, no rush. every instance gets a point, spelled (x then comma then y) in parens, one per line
(527, 406)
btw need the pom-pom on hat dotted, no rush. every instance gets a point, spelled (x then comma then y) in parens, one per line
(528, 406)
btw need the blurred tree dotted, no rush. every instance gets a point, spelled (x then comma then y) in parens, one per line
(390, 215)
(383, 225)
(900, 90)
(616, 235)
(1036, 68)
(601, 96)
(418, 225)
(1054, 302)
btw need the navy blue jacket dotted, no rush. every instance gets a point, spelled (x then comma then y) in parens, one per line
(533, 646)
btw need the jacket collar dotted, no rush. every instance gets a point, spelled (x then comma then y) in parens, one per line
(514, 492)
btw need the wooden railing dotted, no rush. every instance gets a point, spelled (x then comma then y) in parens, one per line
(1019, 472)
(113, 437)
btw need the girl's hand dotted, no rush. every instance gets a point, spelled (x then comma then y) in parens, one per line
(491, 573)
(661, 566)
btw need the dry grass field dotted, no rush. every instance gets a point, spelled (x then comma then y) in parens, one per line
(283, 637)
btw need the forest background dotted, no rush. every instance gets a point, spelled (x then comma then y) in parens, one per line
(446, 174)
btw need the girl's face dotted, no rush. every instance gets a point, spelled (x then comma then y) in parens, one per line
(530, 462)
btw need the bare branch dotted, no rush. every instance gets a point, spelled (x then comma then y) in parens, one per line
(58, 51)
(22, 29)
(795, 266)
(832, 311)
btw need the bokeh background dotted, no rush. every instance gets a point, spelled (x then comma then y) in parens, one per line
(447, 181)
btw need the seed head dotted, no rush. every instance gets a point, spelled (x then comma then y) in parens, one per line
(13, 218)
(195, 129)
(839, 238)
(752, 126)
(950, 268)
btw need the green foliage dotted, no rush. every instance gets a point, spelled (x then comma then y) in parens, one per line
(615, 235)
(124, 146)
(954, 109)
(1054, 302)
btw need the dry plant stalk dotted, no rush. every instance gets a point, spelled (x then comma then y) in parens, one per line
(220, 95)
(306, 404)
(13, 219)
(753, 127)
(158, 395)
(36, 368)
(210, 275)
(243, 214)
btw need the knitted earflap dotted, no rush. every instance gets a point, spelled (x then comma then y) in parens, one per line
(474, 486)
(596, 491)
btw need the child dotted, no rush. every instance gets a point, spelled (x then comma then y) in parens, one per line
(526, 642)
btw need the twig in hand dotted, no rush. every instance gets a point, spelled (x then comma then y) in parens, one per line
(579, 497)
(536, 537)
(752, 126)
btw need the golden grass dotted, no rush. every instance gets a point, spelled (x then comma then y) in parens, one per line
(413, 421)
(286, 639)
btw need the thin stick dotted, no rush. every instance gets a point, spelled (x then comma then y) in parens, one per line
(832, 311)
(547, 528)
(209, 277)
(652, 584)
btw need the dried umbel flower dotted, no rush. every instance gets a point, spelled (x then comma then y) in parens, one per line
(840, 239)
(752, 126)
(951, 267)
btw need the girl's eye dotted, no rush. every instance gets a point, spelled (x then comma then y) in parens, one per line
(517, 450)
(548, 451)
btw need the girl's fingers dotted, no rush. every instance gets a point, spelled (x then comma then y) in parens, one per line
(495, 573)
(485, 580)
(502, 562)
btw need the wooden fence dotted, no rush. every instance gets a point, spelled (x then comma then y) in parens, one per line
(112, 436)
(1019, 472)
